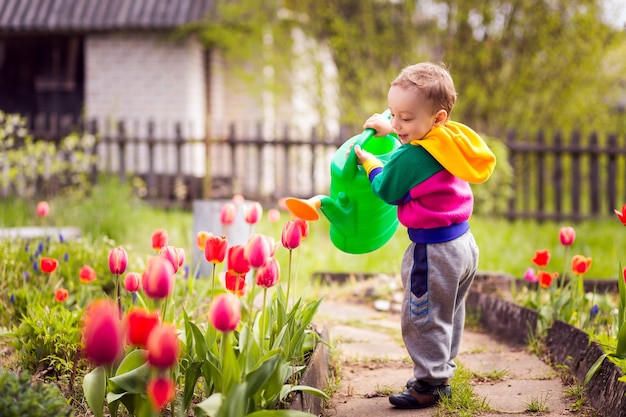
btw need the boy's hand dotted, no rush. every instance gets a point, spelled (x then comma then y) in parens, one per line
(379, 123)
(362, 155)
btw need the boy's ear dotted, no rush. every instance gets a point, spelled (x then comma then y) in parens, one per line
(441, 117)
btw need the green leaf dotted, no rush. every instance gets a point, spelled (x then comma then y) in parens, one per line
(133, 382)
(309, 390)
(94, 387)
(191, 378)
(620, 350)
(594, 368)
(258, 377)
(211, 406)
(132, 360)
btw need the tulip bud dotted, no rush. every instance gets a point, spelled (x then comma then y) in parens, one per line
(237, 262)
(201, 239)
(267, 276)
(292, 235)
(227, 214)
(132, 282)
(48, 265)
(225, 312)
(215, 249)
(61, 294)
(159, 239)
(253, 213)
(160, 390)
(102, 333)
(87, 274)
(43, 209)
(118, 261)
(140, 323)
(257, 250)
(567, 235)
(157, 279)
(163, 346)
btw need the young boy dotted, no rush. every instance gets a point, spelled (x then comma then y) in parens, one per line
(428, 179)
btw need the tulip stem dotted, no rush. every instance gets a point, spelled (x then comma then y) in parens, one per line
(263, 319)
(288, 278)
(213, 282)
(118, 294)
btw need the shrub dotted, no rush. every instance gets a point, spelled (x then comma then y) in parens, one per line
(19, 396)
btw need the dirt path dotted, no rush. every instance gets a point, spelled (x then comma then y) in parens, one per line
(373, 363)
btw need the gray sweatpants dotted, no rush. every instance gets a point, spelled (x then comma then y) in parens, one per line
(436, 278)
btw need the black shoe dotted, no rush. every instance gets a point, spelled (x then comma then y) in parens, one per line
(420, 395)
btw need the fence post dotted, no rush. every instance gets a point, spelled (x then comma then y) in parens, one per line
(93, 129)
(594, 174)
(612, 171)
(510, 141)
(233, 159)
(540, 177)
(576, 176)
(121, 146)
(150, 141)
(558, 175)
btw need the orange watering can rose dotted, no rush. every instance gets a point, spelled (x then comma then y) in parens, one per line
(360, 222)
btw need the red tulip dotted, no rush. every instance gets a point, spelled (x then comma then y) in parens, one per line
(235, 283)
(567, 235)
(624, 274)
(304, 226)
(159, 239)
(253, 213)
(160, 390)
(215, 249)
(545, 278)
(102, 332)
(201, 239)
(48, 265)
(621, 215)
(118, 261)
(542, 257)
(268, 275)
(292, 235)
(237, 262)
(42, 209)
(225, 312)
(61, 295)
(132, 282)
(87, 274)
(227, 214)
(140, 324)
(176, 256)
(257, 250)
(163, 346)
(580, 264)
(157, 279)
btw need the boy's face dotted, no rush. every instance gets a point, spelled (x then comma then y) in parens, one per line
(412, 116)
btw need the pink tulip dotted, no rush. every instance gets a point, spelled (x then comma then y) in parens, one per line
(159, 239)
(292, 235)
(157, 279)
(176, 256)
(304, 226)
(163, 346)
(273, 215)
(257, 250)
(215, 249)
(102, 333)
(225, 312)
(567, 235)
(118, 261)
(253, 213)
(268, 275)
(227, 214)
(238, 199)
(43, 209)
(530, 275)
(160, 390)
(132, 282)
(237, 262)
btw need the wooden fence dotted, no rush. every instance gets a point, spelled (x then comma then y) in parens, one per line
(555, 176)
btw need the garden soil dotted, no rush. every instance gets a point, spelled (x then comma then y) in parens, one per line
(371, 362)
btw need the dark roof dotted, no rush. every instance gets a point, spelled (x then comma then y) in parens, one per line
(98, 15)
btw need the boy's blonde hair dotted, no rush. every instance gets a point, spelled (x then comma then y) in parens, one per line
(433, 81)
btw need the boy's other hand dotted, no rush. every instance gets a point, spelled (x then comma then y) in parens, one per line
(362, 155)
(379, 123)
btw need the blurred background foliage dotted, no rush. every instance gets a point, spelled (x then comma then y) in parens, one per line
(534, 64)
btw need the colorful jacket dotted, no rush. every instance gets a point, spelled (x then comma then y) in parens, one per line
(428, 179)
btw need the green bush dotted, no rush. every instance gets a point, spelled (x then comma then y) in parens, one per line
(19, 396)
(492, 197)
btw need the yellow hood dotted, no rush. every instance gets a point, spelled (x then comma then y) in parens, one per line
(460, 150)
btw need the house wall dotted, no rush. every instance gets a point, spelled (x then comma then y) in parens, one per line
(142, 77)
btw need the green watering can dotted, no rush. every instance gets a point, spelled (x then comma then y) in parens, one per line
(360, 222)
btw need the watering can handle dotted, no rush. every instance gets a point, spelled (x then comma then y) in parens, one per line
(351, 165)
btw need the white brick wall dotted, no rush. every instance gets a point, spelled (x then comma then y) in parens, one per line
(138, 77)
